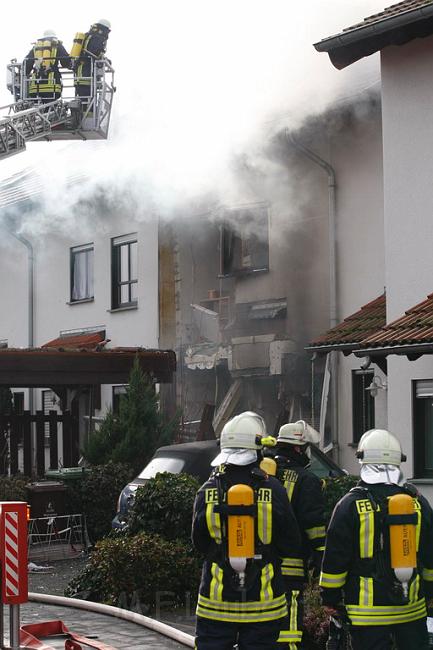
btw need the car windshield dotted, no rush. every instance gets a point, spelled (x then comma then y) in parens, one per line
(320, 466)
(162, 464)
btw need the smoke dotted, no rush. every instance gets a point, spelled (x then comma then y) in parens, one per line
(200, 83)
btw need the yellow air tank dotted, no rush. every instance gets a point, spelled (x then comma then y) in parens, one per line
(77, 45)
(269, 466)
(402, 538)
(240, 529)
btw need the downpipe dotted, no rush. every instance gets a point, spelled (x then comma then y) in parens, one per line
(145, 621)
(333, 320)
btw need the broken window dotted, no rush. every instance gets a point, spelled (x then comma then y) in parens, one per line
(245, 241)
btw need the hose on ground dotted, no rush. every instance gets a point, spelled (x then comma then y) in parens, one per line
(145, 621)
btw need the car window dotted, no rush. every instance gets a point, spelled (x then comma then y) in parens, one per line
(162, 464)
(320, 466)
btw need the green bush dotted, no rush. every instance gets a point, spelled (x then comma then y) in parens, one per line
(335, 489)
(133, 436)
(164, 505)
(13, 488)
(137, 572)
(96, 495)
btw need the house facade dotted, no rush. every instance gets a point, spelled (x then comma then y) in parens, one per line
(400, 350)
(94, 287)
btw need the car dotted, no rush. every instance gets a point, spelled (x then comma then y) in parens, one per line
(195, 458)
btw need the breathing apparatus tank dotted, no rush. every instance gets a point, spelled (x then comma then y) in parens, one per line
(241, 540)
(77, 45)
(269, 466)
(402, 536)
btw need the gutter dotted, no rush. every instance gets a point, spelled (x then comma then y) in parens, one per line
(411, 348)
(369, 31)
(333, 320)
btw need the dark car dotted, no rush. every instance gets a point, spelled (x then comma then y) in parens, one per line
(195, 458)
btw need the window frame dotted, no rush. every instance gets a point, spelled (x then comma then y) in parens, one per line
(74, 251)
(419, 434)
(243, 242)
(116, 283)
(360, 399)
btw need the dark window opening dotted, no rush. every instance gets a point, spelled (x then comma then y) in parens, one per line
(82, 272)
(118, 391)
(362, 403)
(124, 271)
(423, 428)
(245, 241)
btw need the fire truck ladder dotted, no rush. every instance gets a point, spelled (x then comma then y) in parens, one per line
(26, 124)
(68, 118)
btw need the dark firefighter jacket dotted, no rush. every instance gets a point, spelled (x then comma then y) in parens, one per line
(94, 46)
(42, 62)
(305, 494)
(356, 561)
(263, 598)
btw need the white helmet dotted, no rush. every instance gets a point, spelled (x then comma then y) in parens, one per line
(379, 447)
(50, 33)
(240, 439)
(104, 22)
(298, 433)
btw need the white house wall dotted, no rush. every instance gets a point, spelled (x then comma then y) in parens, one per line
(408, 146)
(130, 328)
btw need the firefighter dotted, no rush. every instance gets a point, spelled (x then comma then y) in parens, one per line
(93, 47)
(363, 555)
(241, 597)
(41, 67)
(304, 490)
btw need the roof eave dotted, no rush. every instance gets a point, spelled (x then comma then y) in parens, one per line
(367, 35)
(403, 349)
(347, 348)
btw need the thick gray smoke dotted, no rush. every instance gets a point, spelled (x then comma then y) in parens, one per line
(200, 84)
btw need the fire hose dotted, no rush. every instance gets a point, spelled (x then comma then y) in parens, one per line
(117, 612)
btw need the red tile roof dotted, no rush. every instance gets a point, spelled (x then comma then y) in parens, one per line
(390, 12)
(415, 327)
(354, 328)
(88, 341)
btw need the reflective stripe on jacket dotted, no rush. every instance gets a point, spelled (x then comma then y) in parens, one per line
(357, 560)
(263, 599)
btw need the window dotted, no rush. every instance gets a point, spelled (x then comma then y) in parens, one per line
(423, 428)
(362, 403)
(118, 391)
(124, 271)
(245, 241)
(82, 273)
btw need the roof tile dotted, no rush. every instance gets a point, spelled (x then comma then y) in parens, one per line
(389, 12)
(357, 326)
(416, 326)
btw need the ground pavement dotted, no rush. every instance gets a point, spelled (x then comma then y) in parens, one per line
(122, 635)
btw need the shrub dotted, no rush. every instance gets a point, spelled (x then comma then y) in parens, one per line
(133, 436)
(164, 505)
(13, 488)
(335, 489)
(96, 494)
(136, 572)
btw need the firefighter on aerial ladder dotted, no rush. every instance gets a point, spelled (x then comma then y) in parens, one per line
(244, 524)
(87, 49)
(41, 67)
(378, 563)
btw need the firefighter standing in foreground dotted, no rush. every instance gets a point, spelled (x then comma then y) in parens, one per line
(86, 51)
(244, 525)
(379, 552)
(42, 67)
(305, 494)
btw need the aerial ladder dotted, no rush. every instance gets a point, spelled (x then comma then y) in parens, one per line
(67, 118)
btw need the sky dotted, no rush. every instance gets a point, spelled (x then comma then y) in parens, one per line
(198, 82)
